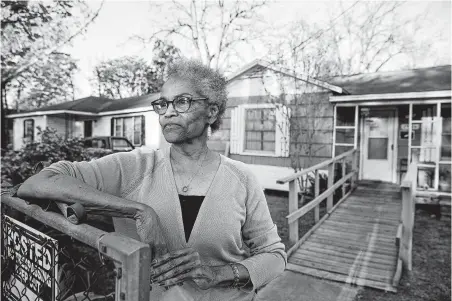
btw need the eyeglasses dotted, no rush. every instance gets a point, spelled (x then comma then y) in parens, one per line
(181, 103)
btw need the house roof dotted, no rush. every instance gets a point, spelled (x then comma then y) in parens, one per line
(416, 80)
(258, 65)
(90, 104)
(93, 106)
(134, 102)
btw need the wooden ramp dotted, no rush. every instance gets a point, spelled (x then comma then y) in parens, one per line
(357, 243)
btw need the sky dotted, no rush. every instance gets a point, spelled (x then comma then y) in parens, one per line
(110, 35)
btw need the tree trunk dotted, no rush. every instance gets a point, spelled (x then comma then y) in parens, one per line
(4, 122)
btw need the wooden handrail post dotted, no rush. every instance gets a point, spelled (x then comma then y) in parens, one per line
(344, 165)
(407, 230)
(316, 194)
(293, 206)
(329, 202)
(354, 179)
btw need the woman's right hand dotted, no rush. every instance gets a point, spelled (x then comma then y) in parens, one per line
(150, 231)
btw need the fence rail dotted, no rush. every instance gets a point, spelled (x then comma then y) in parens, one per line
(89, 264)
(296, 213)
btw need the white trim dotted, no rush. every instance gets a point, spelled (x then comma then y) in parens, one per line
(333, 151)
(54, 112)
(345, 127)
(127, 111)
(391, 96)
(345, 144)
(284, 71)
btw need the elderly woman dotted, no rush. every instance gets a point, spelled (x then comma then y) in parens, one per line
(212, 214)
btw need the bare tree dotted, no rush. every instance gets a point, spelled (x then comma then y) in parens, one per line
(213, 28)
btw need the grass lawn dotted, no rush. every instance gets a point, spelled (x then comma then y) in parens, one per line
(431, 276)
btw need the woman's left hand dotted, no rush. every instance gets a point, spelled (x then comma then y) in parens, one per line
(182, 265)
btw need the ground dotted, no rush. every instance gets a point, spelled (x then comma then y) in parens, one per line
(431, 276)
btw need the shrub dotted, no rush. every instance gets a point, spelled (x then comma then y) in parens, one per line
(17, 166)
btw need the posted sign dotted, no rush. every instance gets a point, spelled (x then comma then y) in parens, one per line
(34, 257)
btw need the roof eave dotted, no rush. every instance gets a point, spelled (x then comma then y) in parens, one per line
(285, 71)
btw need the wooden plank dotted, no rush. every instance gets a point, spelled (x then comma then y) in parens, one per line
(388, 208)
(356, 240)
(340, 278)
(343, 223)
(357, 220)
(392, 216)
(331, 186)
(367, 216)
(399, 235)
(356, 235)
(352, 250)
(346, 270)
(316, 194)
(379, 233)
(363, 246)
(360, 259)
(293, 207)
(397, 274)
(358, 264)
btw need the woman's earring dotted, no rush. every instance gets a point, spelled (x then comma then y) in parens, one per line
(209, 131)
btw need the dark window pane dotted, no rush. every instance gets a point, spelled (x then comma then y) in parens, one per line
(345, 136)
(342, 149)
(425, 177)
(345, 116)
(260, 129)
(377, 149)
(444, 177)
(420, 111)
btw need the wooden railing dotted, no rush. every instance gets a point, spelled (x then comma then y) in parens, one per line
(404, 238)
(296, 213)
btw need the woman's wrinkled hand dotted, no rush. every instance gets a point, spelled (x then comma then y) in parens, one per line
(150, 232)
(182, 265)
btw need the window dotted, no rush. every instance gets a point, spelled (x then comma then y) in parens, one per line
(131, 128)
(260, 129)
(446, 132)
(344, 130)
(29, 130)
(260, 126)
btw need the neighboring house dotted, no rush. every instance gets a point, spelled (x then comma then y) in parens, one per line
(132, 118)
(273, 114)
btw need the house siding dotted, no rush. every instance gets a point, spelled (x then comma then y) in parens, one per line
(18, 130)
(58, 124)
(251, 90)
(153, 134)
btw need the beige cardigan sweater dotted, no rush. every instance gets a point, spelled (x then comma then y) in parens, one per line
(233, 214)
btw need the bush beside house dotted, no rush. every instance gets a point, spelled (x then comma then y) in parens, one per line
(17, 166)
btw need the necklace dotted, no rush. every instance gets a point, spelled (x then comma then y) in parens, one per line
(185, 188)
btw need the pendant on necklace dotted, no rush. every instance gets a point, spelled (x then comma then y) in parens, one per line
(185, 188)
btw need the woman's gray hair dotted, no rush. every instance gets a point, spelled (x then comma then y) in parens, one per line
(206, 82)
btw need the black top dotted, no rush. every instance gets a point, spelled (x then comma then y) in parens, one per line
(190, 205)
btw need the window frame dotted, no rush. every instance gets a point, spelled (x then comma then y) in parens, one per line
(25, 134)
(121, 122)
(239, 115)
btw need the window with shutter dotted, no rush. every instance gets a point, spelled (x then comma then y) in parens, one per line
(260, 129)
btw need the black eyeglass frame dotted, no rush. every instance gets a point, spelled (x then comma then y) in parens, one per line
(190, 101)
